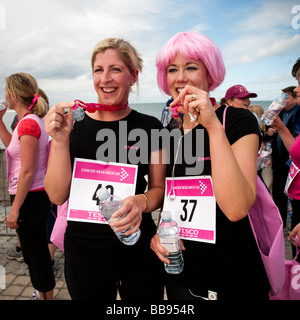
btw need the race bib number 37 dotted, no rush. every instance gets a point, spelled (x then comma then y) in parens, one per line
(88, 177)
(193, 206)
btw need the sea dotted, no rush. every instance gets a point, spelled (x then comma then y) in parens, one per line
(153, 109)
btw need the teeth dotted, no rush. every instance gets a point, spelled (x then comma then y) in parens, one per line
(109, 90)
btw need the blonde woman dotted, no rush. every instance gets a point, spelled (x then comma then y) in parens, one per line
(96, 262)
(26, 158)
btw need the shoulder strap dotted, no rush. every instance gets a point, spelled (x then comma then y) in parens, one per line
(224, 116)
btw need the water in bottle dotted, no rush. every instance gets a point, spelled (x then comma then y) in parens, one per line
(108, 205)
(265, 156)
(274, 109)
(169, 238)
(3, 105)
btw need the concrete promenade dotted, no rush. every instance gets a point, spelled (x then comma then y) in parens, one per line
(18, 284)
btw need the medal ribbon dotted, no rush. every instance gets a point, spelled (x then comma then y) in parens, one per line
(93, 107)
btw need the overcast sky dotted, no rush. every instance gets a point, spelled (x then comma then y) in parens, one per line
(53, 41)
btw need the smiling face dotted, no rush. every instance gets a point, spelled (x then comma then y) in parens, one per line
(182, 71)
(112, 78)
(239, 102)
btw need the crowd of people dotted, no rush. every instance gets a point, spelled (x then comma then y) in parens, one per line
(45, 144)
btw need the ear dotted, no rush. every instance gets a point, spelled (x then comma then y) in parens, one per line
(229, 102)
(210, 79)
(135, 76)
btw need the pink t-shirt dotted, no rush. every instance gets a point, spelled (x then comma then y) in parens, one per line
(294, 190)
(29, 125)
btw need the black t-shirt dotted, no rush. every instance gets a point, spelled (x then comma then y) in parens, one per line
(232, 266)
(96, 243)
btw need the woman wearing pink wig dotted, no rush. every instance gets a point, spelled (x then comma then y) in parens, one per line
(226, 266)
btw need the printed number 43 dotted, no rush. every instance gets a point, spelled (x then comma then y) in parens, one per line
(188, 214)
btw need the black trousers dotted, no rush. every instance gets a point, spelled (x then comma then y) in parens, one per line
(86, 281)
(32, 233)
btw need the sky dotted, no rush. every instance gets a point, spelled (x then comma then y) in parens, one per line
(53, 41)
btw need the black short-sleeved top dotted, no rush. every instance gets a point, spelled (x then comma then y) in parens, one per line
(96, 243)
(233, 265)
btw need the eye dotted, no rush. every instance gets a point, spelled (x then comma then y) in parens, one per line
(116, 69)
(98, 69)
(192, 68)
(171, 69)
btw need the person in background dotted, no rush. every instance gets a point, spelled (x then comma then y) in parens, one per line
(238, 97)
(26, 158)
(97, 264)
(290, 117)
(189, 66)
(258, 111)
(292, 145)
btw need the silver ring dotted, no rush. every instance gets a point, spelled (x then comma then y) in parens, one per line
(193, 96)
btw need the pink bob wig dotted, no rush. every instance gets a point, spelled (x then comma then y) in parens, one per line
(192, 45)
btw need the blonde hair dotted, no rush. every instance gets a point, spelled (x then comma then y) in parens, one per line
(127, 53)
(24, 86)
(259, 111)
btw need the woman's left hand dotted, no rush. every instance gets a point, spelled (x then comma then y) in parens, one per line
(196, 101)
(294, 235)
(12, 219)
(133, 207)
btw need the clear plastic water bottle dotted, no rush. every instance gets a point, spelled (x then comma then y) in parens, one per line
(176, 121)
(265, 156)
(274, 109)
(169, 238)
(78, 114)
(3, 105)
(108, 205)
(166, 115)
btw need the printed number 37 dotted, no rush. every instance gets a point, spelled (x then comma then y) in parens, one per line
(188, 215)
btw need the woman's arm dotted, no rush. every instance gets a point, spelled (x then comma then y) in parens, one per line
(59, 172)
(5, 135)
(234, 172)
(29, 150)
(285, 134)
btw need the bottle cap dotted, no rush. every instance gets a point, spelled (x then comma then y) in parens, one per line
(166, 215)
(102, 194)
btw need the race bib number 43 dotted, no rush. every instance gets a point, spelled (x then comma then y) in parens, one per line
(88, 177)
(193, 206)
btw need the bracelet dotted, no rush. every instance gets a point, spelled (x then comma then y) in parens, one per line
(147, 200)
